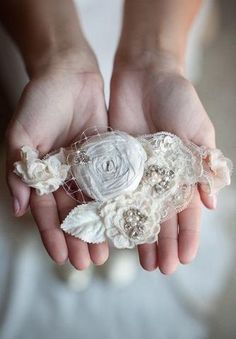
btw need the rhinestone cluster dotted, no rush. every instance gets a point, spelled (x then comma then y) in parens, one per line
(134, 222)
(81, 158)
(160, 178)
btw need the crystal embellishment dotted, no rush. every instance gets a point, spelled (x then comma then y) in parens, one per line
(81, 158)
(134, 222)
(160, 178)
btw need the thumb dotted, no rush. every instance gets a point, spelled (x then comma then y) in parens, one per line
(208, 139)
(16, 137)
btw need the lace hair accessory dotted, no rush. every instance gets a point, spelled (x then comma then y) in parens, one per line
(125, 186)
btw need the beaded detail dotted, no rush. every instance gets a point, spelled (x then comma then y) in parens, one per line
(135, 183)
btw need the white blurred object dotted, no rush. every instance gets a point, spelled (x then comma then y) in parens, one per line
(203, 31)
(76, 280)
(121, 269)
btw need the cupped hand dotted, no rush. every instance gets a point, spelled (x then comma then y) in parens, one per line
(157, 97)
(56, 106)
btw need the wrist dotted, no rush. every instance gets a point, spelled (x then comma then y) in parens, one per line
(154, 28)
(48, 34)
(77, 59)
(148, 59)
(148, 46)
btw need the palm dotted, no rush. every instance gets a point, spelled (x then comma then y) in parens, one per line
(61, 105)
(146, 102)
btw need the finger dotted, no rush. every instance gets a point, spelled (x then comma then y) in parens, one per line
(207, 139)
(189, 226)
(78, 253)
(77, 249)
(210, 201)
(206, 136)
(148, 256)
(99, 253)
(44, 211)
(168, 246)
(19, 191)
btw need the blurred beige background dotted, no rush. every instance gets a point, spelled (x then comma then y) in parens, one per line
(199, 301)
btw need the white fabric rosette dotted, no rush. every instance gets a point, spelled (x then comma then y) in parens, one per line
(115, 165)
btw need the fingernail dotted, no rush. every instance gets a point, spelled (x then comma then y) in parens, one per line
(214, 201)
(16, 206)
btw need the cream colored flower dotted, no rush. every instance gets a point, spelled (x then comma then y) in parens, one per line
(219, 172)
(131, 219)
(44, 175)
(114, 165)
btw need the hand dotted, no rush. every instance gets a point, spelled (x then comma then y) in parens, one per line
(147, 97)
(58, 103)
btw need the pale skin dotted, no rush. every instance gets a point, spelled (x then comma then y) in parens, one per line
(65, 96)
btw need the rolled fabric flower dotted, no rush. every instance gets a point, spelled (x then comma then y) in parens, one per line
(44, 175)
(109, 165)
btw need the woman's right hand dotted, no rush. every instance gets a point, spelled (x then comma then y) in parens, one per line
(59, 102)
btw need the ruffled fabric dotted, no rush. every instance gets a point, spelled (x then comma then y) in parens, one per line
(131, 220)
(218, 171)
(45, 175)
